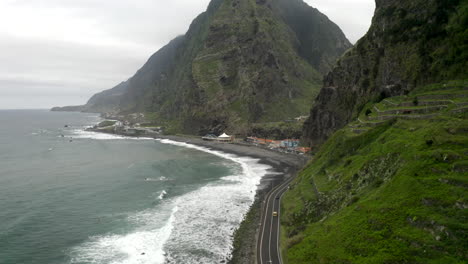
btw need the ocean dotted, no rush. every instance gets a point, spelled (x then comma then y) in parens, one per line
(70, 196)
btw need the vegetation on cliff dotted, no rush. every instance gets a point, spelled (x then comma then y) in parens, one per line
(410, 43)
(390, 187)
(277, 130)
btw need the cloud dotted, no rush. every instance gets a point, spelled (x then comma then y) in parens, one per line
(70, 49)
(352, 16)
(60, 52)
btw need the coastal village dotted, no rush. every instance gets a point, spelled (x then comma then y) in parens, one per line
(131, 126)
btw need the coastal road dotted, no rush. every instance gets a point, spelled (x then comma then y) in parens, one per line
(268, 251)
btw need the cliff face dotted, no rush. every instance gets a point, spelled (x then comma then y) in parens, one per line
(320, 41)
(242, 61)
(410, 43)
(106, 101)
(386, 191)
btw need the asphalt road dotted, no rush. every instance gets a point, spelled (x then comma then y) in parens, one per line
(268, 242)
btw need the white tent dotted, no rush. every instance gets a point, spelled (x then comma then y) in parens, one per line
(224, 137)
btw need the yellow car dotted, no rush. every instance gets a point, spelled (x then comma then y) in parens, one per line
(275, 213)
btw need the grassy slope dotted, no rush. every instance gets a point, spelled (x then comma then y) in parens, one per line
(394, 194)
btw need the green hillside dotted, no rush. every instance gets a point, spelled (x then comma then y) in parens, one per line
(390, 187)
(410, 43)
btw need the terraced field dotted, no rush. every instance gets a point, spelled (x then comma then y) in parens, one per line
(424, 103)
(389, 188)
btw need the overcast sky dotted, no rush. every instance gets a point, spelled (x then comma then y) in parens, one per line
(61, 52)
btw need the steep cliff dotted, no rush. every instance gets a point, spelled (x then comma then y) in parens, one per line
(320, 42)
(388, 183)
(391, 187)
(106, 101)
(241, 62)
(410, 43)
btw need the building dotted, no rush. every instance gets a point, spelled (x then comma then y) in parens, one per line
(289, 143)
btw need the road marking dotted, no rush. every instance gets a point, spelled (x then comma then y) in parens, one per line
(264, 224)
(280, 190)
(279, 229)
(277, 189)
(271, 227)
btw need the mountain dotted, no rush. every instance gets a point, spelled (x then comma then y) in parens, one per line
(241, 62)
(388, 182)
(410, 43)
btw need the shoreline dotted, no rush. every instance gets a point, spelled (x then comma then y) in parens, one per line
(284, 166)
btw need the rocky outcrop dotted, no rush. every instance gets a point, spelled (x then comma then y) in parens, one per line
(410, 43)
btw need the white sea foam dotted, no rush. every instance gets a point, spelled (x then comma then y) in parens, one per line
(207, 217)
(162, 194)
(83, 134)
(200, 226)
(142, 246)
(40, 132)
(160, 179)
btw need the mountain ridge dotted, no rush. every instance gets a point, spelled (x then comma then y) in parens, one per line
(240, 62)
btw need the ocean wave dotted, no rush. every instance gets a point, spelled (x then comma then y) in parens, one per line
(41, 132)
(160, 179)
(199, 229)
(83, 134)
(162, 195)
(141, 246)
(206, 220)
